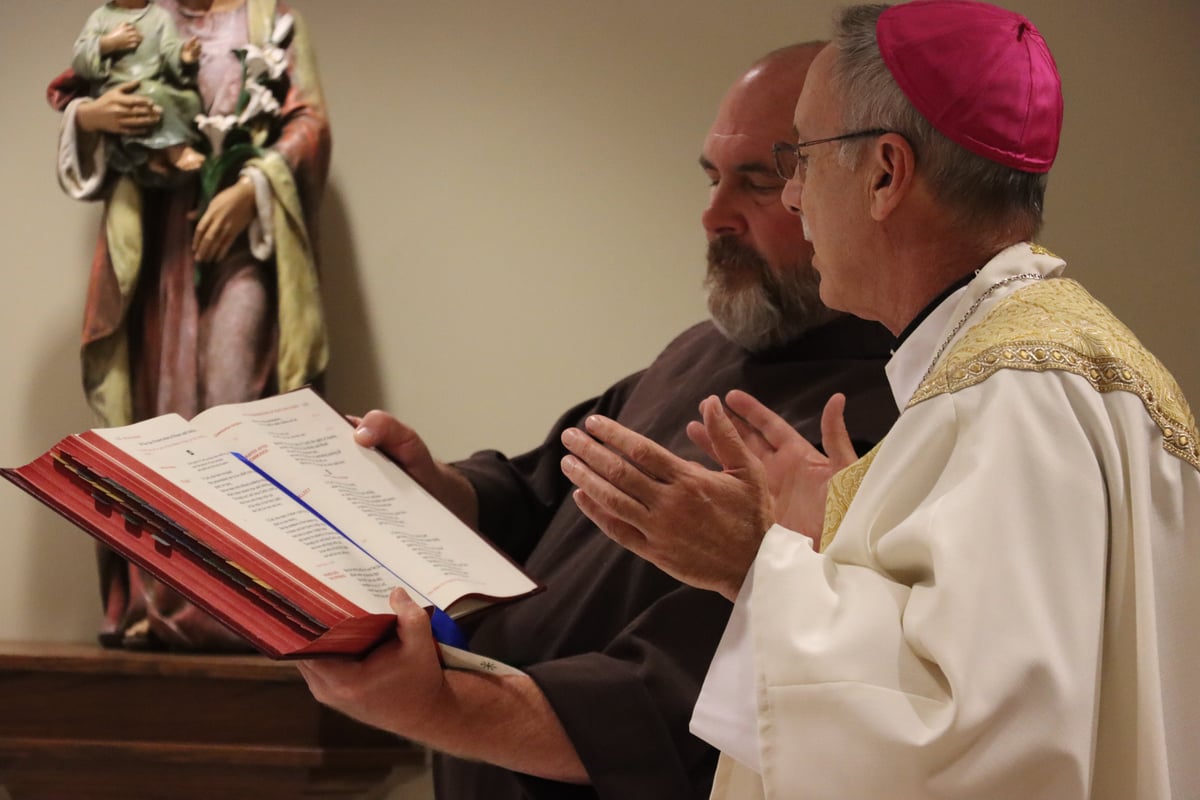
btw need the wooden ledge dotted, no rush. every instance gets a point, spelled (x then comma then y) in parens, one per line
(80, 720)
(94, 659)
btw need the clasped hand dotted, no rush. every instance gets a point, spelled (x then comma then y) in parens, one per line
(704, 526)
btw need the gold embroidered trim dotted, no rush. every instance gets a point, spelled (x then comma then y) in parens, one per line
(1057, 325)
(842, 488)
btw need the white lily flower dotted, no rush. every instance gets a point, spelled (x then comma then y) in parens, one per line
(261, 102)
(265, 64)
(255, 61)
(277, 62)
(216, 128)
(283, 29)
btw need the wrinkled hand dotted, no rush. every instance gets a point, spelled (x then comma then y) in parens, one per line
(190, 52)
(797, 473)
(122, 38)
(118, 111)
(701, 526)
(405, 446)
(397, 687)
(226, 218)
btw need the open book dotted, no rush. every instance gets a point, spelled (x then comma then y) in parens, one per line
(268, 515)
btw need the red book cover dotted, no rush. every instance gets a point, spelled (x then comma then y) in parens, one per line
(270, 517)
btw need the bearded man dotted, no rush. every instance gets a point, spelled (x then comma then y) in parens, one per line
(1003, 603)
(615, 650)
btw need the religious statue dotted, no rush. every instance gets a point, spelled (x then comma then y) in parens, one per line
(204, 282)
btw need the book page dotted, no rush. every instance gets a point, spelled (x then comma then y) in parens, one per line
(309, 447)
(202, 467)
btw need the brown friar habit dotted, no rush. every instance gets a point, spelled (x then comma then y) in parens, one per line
(619, 647)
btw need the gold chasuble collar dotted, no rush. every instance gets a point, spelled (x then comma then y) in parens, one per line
(1057, 325)
(1050, 325)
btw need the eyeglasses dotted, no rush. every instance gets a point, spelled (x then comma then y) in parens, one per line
(791, 163)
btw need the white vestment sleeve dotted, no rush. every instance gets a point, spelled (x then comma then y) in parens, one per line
(947, 643)
(726, 712)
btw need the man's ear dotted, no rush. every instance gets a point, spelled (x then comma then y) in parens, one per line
(892, 163)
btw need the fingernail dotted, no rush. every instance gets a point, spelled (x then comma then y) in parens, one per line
(571, 436)
(362, 432)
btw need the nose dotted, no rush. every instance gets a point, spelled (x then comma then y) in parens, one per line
(790, 196)
(723, 216)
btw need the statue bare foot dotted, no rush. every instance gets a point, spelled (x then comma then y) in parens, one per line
(185, 158)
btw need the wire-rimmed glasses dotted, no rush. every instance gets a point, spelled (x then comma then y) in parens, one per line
(790, 162)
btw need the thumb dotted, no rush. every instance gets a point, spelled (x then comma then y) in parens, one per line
(835, 439)
(383, 431)
(128, 87)
(403, 606)
(726, 443)
(412, 621)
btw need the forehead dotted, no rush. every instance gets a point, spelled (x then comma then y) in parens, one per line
(745, 130)
(818, 109)
(743, 144)
(760, 105)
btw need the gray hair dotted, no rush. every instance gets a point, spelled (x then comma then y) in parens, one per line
(980, 193)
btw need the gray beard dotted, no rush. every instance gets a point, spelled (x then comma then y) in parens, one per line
(753, 306)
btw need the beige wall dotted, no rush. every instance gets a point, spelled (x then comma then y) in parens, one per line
(512, 215)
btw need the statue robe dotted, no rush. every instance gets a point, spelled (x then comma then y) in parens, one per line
(122, 387)
(154, 340)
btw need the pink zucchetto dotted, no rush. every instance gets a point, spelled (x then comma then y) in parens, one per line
(981, 75)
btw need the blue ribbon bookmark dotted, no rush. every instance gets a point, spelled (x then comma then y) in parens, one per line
(445, 629)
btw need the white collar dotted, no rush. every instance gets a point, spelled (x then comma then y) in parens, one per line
(910, 361)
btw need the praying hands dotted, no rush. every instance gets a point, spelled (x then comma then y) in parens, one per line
(699, 525)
